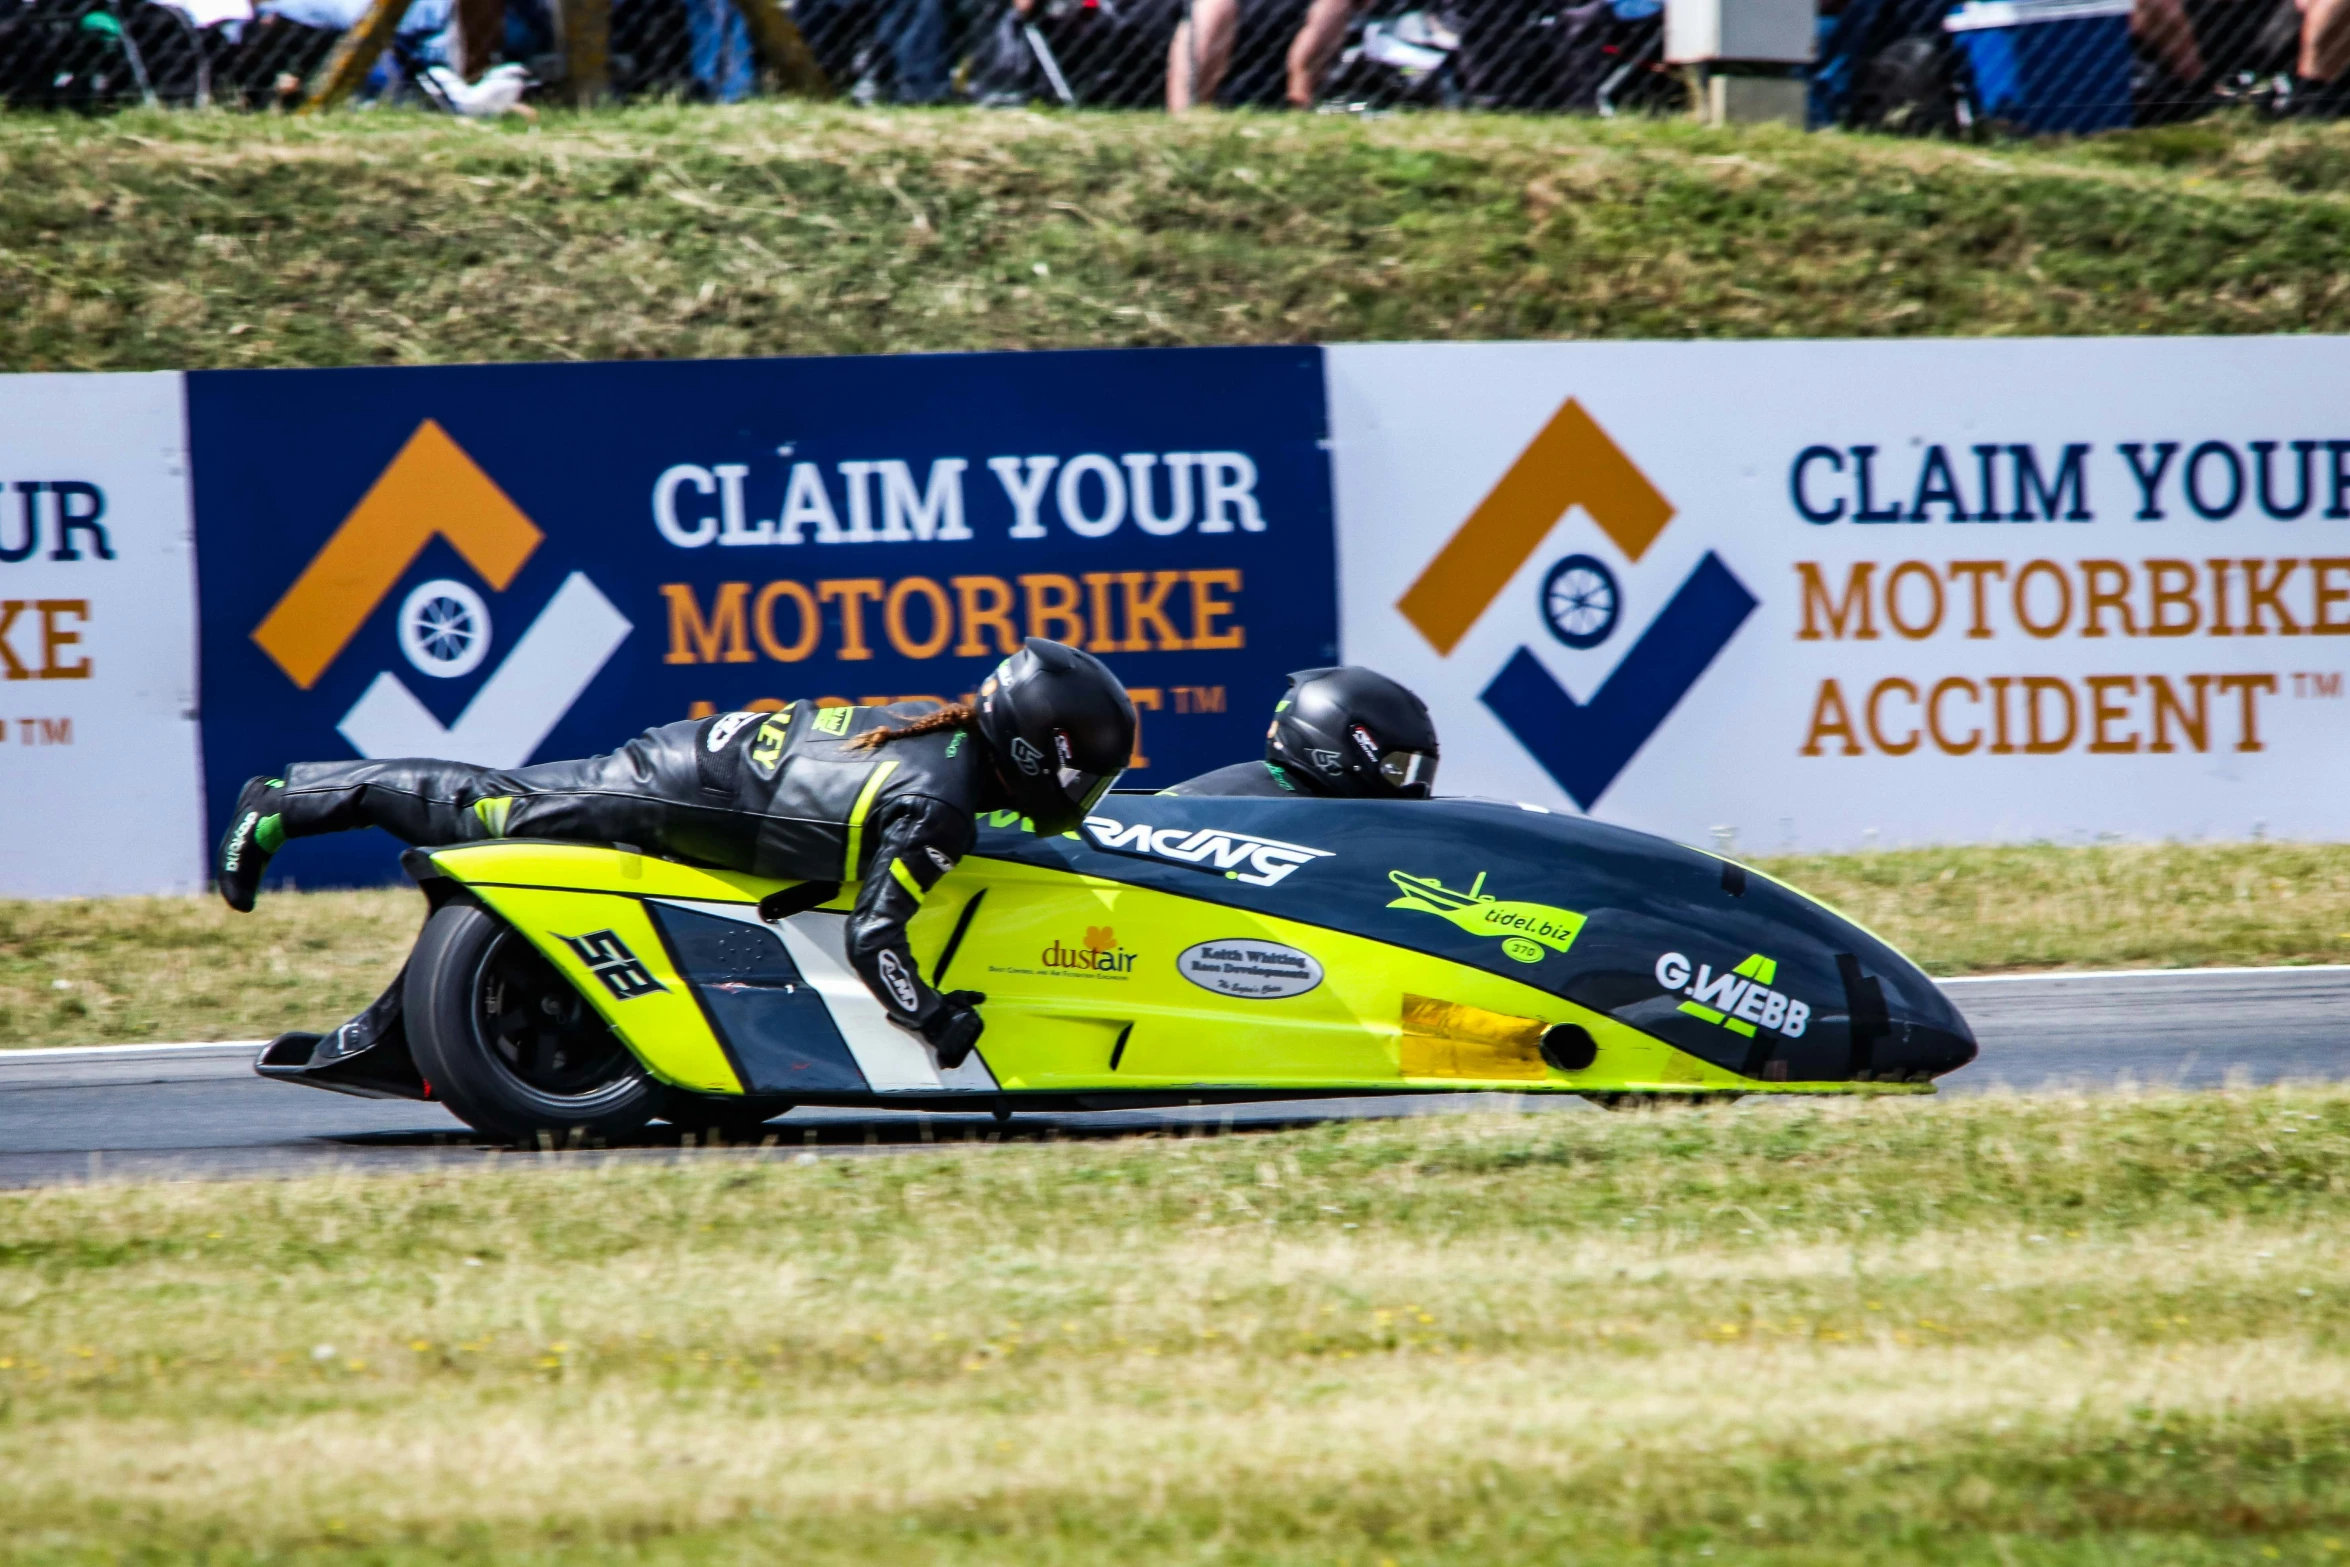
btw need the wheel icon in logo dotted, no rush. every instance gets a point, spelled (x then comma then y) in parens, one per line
(445, 629)
(1580, 602)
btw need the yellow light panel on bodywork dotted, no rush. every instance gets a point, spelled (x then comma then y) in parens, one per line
(1448, 1039)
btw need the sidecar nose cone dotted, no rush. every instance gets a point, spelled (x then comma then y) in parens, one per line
(1926, 1040)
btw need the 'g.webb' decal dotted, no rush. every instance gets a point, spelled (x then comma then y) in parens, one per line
(1738, 999)
(1215, 850)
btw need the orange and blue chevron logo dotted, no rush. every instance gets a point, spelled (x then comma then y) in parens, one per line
(1572, 462)
(434, 490)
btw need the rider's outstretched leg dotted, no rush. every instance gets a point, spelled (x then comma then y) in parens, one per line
(650, 793)
(423, 802)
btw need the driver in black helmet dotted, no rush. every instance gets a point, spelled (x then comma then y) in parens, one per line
(1349, 733)
(883, 796)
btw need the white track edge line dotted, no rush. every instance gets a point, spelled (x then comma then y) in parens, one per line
(106, 1052)
(2145, 973)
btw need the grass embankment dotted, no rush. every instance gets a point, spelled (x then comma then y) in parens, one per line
(140, 969)
(156, 241)
(2050, 1331)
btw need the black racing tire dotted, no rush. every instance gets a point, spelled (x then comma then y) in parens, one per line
(726, 1119)
(509, 1045)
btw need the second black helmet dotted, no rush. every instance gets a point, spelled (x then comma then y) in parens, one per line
(1353, 732)
(1062, 729)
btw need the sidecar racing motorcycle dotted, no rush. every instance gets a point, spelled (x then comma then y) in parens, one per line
(1171, 951)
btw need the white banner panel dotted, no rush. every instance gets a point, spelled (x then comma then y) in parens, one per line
(98, 753)
(1833, 594)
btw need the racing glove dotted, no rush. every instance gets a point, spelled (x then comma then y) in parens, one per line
(916, 842)
(954, 1026)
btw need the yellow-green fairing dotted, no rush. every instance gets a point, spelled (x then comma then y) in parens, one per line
(1381, 1017)
(548, 891)
(665, 1028)
(1055, 1027)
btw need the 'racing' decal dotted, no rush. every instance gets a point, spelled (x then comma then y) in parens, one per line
(1243, 857)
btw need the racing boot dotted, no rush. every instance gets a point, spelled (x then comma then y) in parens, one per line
(255, 832)
(954, 1028)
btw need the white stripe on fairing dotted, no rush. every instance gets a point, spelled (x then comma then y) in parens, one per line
(892, 1060)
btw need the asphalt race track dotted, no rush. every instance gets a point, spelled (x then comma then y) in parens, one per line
(199, 1110)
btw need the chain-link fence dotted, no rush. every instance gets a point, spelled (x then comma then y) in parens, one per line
(1919, 66)
(69, 54)
(2072, 66)
(1603, 56)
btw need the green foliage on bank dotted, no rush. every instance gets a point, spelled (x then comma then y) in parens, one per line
(155, 241)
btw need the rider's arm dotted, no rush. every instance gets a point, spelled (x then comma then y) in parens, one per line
(918, 839)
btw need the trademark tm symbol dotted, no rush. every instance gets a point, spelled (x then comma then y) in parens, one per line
(1199, 699)
(2311, 684)
(40, 731)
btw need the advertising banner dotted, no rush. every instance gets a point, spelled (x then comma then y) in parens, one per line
(503, 564)
(97, 638)
(1818, 595)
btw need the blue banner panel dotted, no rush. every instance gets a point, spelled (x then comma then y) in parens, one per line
(514, 563)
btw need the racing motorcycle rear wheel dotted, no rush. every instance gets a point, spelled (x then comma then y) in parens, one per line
(509, 1045)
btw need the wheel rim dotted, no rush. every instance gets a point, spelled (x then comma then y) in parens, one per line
(536, 1030)
(445, 629)
(1580, 601)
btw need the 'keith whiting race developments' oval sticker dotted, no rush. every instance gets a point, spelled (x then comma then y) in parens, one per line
(1254, 970)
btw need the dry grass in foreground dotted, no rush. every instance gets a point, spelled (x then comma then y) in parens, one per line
(88, 971)
(2047, 1331)
(136, 969)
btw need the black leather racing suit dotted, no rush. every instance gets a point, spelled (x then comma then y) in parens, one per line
(774, 794)
(1257, 780)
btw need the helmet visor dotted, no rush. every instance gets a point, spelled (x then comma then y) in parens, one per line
(1083, 789)
(1409, 773)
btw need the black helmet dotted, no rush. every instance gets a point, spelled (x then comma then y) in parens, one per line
(1352, 731)
(1062, 728)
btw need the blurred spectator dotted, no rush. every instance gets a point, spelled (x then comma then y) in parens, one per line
(1106, 54)
(721, 46)
(2211, 49)
(530, 30)
(1573, 55)
(213, 13)
(333, 15)
(907, 58)
(1200, 56)
(424, 37)
(1885, 65)
(2325, 47)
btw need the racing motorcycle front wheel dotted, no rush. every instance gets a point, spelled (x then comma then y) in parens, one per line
(510, 1046)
